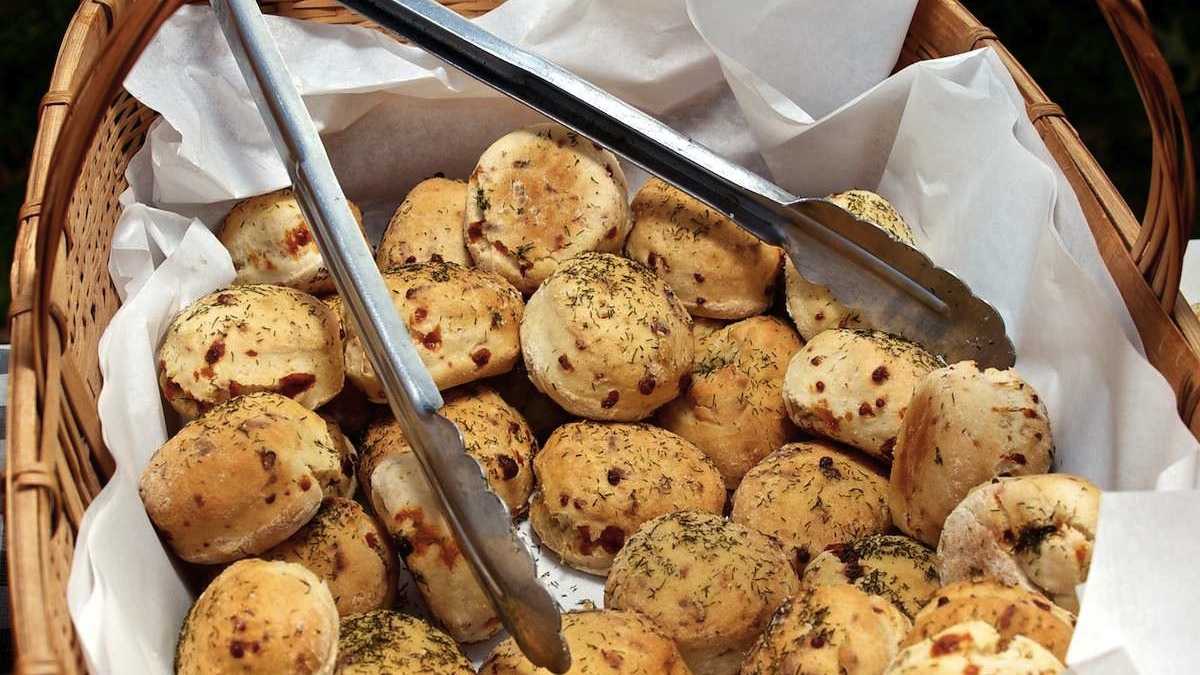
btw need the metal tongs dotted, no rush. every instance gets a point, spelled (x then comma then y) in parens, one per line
(477, 517)
(892, 286)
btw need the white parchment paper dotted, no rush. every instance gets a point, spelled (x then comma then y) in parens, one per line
(796, 89)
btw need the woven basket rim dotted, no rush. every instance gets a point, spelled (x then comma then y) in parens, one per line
(57, 461)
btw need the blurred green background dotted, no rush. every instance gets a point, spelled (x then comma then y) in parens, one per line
(1065, 45)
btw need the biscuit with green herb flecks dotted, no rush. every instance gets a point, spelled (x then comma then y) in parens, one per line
(383, 642)
(1033, 531)
(497, 437)
(606, 339)
(600, 641)
(829, 630)
(964, 426)
(734, 409)
(427, 226)
(241, 478)
(598, 482)
(703, 326)
(1010, 610)
(251, 338)
(539, 196)
(260, 617)
(270, 242)
(854, 386)
(975, 648)
(812, 306)
(718, 269)
(811, 496)
(464, 323)
(893, 566)
(349, 551)
(709, 584)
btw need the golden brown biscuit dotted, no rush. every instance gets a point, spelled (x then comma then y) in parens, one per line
(976, 648)
(598, 482)
(606, 339)
(464, 323)
(1010, 610)
(348, 550)
(888, 565)
(241, 478)
(601, 641)
(718, 269)
(877, 210)
(270, 242)
(260, 617)
(829, 630)
(251, 338)
(497, 437)
(428, 226)
(734, 409)
(854, 386)
(1032, 531)
(964, 426)
(812, 306)
(810, 496)
(347, 459)
(383, 642)
(709, 584)
(539, 196)
(703, 326)
(538, 409)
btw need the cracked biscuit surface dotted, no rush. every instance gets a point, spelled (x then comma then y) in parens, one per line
(539, 196)
(1033, 531)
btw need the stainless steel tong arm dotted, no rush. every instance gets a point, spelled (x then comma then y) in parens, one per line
(477, 518)
(889, 284)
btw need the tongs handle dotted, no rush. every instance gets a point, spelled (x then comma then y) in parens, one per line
(476, 517)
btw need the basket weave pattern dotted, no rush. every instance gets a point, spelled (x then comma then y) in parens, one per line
(63, 297)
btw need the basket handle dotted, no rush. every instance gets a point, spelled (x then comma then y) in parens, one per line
(1171, 203)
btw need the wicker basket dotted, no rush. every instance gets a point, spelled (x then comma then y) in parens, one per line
(89, 130)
